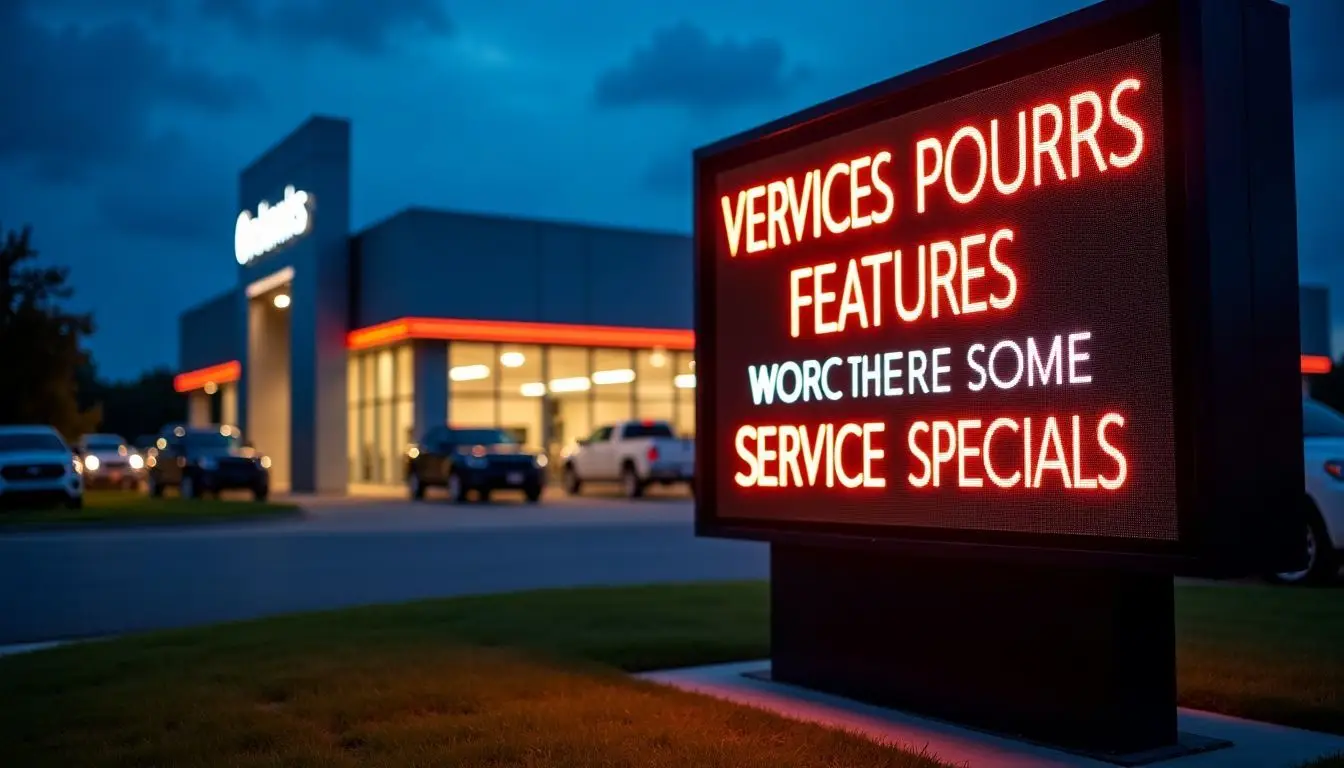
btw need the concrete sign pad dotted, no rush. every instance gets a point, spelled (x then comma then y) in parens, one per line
(1252, 744)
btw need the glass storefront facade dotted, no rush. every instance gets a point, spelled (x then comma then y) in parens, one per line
(550, 396)
(547, 396)
(381, 393)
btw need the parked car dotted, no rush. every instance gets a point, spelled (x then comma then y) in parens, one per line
(38, 468)
(633, 453)
(201, 460)
(109, 462)
(1323, 509)
(473, 460)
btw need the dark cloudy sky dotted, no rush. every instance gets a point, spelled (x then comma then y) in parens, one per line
(126, 121)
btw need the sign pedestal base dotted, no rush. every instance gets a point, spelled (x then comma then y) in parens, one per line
(1080, 659)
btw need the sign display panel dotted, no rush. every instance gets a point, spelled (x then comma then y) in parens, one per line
(953, 318)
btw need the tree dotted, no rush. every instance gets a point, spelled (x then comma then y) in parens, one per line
(134, 407)
(39, 342)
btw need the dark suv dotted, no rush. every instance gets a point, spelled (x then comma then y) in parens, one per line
(466, 460)
(200, 460)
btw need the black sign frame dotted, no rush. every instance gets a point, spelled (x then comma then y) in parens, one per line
(1234, 318)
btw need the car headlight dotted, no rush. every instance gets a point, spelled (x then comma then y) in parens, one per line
(136, 462)
(265, 462)
(91, 463)
(207, 463)
(77, 464)
(540, 460)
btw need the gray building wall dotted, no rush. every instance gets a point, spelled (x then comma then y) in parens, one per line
(1314, 310)
(426, 263)
(208, 333)
(314, 158)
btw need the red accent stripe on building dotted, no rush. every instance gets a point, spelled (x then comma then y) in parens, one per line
(442, 329)
(223, 373)
(1316, 364)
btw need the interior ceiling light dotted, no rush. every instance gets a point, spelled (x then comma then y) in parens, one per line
(617, 376)
(512, 359)
(469, 372)
(571, 384)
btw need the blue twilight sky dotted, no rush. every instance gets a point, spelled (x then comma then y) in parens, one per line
(127, 121)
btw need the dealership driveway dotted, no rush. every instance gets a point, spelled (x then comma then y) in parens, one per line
(346, 552)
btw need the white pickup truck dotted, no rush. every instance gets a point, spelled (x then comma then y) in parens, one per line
(632, 453)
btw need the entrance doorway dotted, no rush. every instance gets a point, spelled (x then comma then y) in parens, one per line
(268, 379)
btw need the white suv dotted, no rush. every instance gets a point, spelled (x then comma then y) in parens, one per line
(1323, 528)
(38, 468)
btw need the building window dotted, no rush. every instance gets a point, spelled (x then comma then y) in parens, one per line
(381, 401)
(385, 442)
(353, 389)
(684, 384)
(521, 386)
(404, 435)
(654, 394)
(569, 387)
(367, 419)
(473, 384)
(613, 388)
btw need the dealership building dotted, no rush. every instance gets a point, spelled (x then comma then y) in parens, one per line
(335, 349)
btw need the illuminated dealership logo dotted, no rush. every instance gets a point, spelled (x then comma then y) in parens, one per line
(273, 226)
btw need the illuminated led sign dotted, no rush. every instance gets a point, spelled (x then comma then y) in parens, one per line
(272, 226)
(956, 309)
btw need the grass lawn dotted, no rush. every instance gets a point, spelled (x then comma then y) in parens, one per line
(537, 679)
(528, 680)
(132, 508)
(1265, 653)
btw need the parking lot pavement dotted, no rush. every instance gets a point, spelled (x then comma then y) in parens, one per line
(347, 552)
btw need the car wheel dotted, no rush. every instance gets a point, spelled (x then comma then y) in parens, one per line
(572, 482)
(631, 485)
(75, 502)
(1321, 564)
(152, 485)
(260, 494)
(188, 488)
(457, 490)
(532, 493)
(416, 488)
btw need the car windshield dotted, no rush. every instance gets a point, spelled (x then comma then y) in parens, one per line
(648, 429)
(210, 442)
(481, 437)
(1321, 421)
(30, 441)
(103, 442)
